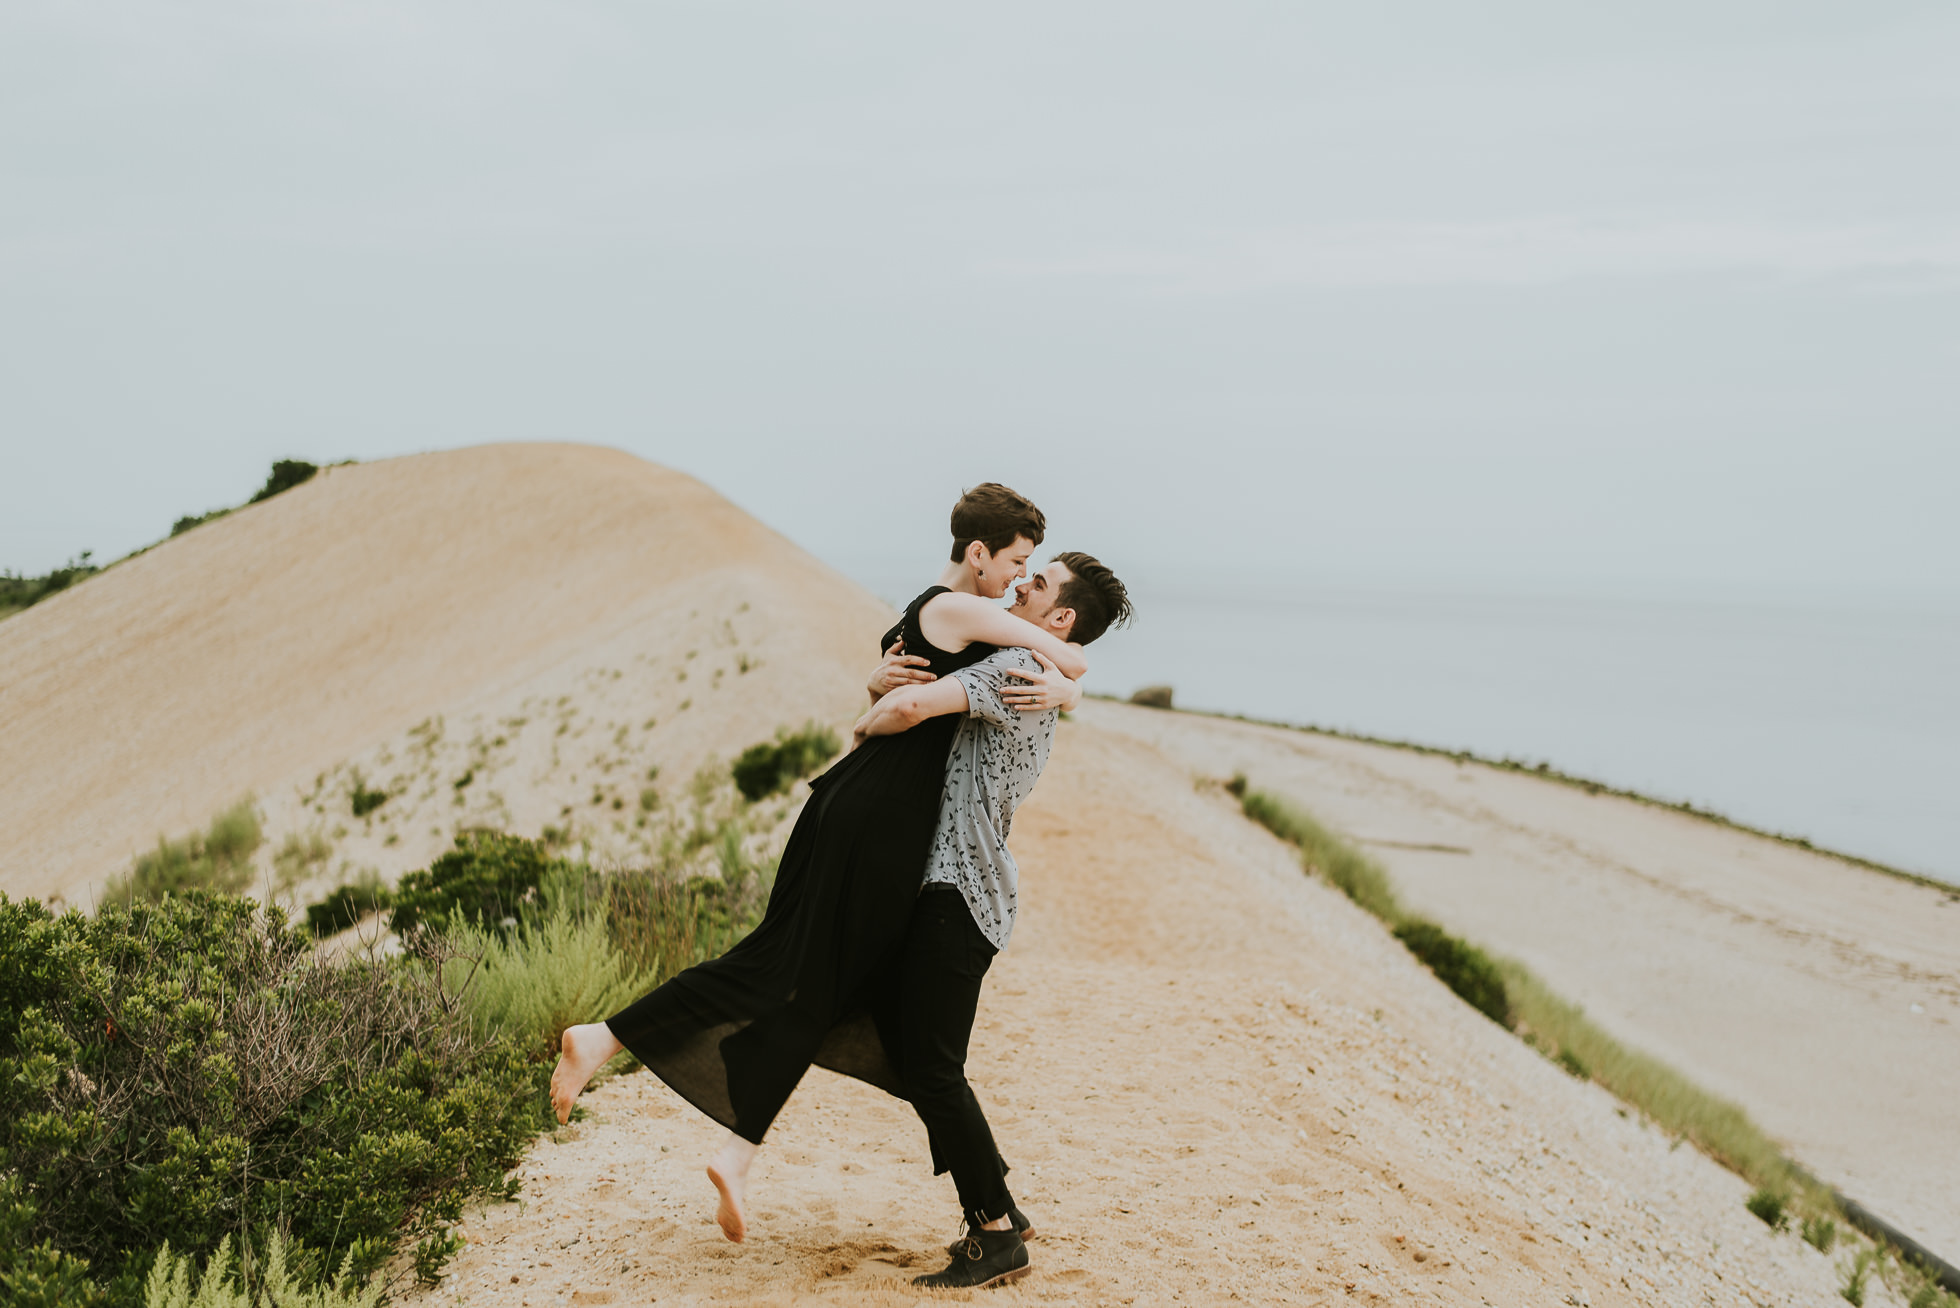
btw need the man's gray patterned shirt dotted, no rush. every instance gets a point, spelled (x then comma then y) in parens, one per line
(997, 756)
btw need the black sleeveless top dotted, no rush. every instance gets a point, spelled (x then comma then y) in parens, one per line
(938, 661)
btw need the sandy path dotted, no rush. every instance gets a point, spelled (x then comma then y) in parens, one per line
(1218, 1082)
(1822, 996)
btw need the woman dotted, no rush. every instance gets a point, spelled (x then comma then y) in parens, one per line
(735, 1035)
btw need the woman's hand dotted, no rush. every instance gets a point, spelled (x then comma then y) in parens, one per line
(898, 669)
(1047, 689)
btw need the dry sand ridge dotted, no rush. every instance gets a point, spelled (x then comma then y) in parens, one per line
(1217, 1080)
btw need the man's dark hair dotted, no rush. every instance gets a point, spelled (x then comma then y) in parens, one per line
(1098, 598)
(994, 515)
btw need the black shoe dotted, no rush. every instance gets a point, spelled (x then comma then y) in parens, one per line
(981, 1259)
(1023, 1227)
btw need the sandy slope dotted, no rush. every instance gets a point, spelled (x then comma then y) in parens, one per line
(1217, 1079)
(1823, 996)
(280, 649)
(1218, 1082)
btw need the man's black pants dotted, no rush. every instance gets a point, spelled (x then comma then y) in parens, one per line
(945, 960)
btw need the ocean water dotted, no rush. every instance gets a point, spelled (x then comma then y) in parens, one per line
(1836, 721)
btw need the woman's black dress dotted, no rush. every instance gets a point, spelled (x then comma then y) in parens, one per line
(734, 1035)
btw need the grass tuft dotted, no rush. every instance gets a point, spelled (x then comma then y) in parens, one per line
(1768, 1206)
(219, 859)
(557, 968)
(1357, 876)
(1857, 1272)
(1462, 967)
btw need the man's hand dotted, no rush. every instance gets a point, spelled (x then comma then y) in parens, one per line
(1048, 689)
(898, 669)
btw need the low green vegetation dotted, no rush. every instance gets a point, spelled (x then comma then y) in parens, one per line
(300, 857)
(278, 1280)
(1356, 875)
(201, 1109)
(774, 765)
(286, 474)
(1857, 1273)
(348, 905)
(1768, 1205)
(488, 877)
(557, 967)
(217, 859)
(190, 1070)
(1462, 967)
(1511, 995)
(18, 592)
(663, 926)
(1458, 964)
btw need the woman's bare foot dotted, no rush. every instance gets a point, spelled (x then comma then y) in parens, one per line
(581, 1052)
(729, 1170)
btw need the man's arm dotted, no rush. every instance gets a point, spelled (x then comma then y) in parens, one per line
(908, 706)
(956, 620)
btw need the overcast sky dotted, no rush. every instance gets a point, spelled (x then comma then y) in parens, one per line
(1503, 295)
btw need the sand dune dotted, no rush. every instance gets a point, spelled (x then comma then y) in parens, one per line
(1217, 1080)
(309, 633)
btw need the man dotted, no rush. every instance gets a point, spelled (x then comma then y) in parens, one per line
(966, 909)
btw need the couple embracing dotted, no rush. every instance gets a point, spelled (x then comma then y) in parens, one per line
(896, 888)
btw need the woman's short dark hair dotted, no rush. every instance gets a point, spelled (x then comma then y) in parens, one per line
(1098, 598)
(994, 515)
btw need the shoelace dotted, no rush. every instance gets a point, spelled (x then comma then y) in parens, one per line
(967, 1242)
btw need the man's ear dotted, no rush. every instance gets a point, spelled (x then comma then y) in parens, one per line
(1060, 622)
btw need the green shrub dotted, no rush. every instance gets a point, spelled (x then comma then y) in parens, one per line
(1820, 1233)
(558, 968)
(190, 520)
(37, 1275)
(771, 767)
(18, 592)
(364, 801)
(348, 905)
(220, 859)
(1459, 965)
(286, 474)
(488, 876)
(189, 1069)
(1768, 1205)
(226, 1284)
